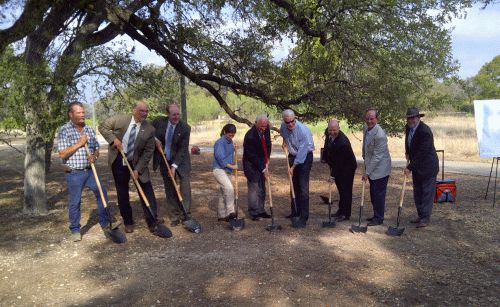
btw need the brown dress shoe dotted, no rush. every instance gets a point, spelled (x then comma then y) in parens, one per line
(129, 228)
(422, 224)
(415, 220)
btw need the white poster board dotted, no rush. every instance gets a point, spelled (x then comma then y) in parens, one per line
(487, 114)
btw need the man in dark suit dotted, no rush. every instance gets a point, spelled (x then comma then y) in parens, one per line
(256, 154)
(133, 135)
(172, 136)
(423, 164)
(340, 157)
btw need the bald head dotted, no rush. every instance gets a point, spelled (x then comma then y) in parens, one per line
(333, 127)
(140, 111)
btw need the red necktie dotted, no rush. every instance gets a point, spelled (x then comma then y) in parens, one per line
(264, 146)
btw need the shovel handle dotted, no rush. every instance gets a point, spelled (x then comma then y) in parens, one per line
(98, 182)
(363, 193)
(269, 190)
(136, 182)
(402, 192)
(330, 193)
(289, 175)
(236, 175)
(172, 176)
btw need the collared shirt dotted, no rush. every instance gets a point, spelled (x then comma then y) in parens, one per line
(299, 141)
(68, 136)
(223, 154)
(126, 136)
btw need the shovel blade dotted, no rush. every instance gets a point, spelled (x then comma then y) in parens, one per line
(358, 228)
(331, 224)
(192, 225)
(395, 231)
(115, 235)
(237, 224)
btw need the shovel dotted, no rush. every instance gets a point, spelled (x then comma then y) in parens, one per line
(296, 221)
(190, 223)
(160, 229)
(359, 228)
(273, 226)
(330, 223)
(396, 231)
(236, 223)
(113, 233)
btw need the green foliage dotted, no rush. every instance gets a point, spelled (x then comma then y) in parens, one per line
(488, 80)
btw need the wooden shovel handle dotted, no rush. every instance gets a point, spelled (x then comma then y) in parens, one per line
(98, 182)
(363, 193)
(268, 179)
(403, 192)
(236, 175)
(288, 168)
(136, 182)
(172, 176)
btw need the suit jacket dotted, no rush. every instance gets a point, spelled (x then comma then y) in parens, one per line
(376, 153)
(253, 153)
(115, 127)
(180, 145)
(339, 156)
(423, 160)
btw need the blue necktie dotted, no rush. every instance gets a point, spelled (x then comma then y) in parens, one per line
(410, 136)
(168, 143)
(130, 144)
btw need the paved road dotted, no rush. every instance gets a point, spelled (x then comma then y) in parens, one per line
(451, 167)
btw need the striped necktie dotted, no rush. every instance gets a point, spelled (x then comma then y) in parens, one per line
(130, 144)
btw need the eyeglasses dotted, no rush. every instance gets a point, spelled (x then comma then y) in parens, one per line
(289, 122)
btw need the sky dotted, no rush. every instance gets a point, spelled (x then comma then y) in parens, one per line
(475, 41)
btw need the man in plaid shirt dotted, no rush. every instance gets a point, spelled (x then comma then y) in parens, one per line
(71, 141)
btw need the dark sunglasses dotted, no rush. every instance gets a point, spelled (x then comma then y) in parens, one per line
(290, 122)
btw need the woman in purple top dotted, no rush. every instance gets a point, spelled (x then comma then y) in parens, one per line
(223, 167)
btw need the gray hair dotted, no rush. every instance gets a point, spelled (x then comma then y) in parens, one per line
(334, 120)
(261, 117)
(288, 113)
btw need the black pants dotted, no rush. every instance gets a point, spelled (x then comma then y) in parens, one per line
(344, 184)
(423, 194)
(121, 174)
(300, 180)
(378, 189)
(173, 205)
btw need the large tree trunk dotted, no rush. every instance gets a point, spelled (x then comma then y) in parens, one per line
(35, 198)
(49, 145)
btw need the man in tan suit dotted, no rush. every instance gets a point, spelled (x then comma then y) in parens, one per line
(377, 164)
(135, 136)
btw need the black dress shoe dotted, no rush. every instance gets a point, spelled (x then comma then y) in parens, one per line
(336, 214)
(341, 218)
(291, 215)
(264, 215)
(415, 221)
(231, 216)
(374, 222)
(370, 219)
(256, 217)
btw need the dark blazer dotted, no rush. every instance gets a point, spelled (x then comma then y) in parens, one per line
(180, 144)
(339, 155)
(423, 160)
(115, 127)
(253, 153)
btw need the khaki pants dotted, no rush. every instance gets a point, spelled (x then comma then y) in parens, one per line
(226, 196)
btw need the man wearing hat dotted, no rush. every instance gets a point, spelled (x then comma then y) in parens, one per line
(423, 164)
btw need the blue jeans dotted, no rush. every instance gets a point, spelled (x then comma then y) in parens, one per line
(77, 180)
(378, 189)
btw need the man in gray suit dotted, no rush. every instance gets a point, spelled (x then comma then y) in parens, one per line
(133, 135)
(377, 164)
(172, 136)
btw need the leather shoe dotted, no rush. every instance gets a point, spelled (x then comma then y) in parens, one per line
(256, 217)
(290, 216)
(231, 216)
(129, 228)
(336, 214)
(415, 221)
(265, 215)
(422, 224)
(374, 222)
(341, 218)
(370, 219)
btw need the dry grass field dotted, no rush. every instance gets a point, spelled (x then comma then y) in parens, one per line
(456, 134)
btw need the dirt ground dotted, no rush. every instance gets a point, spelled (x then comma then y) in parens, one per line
(455, 261)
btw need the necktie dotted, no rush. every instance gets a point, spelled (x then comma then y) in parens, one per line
(410, 136)
(264, 146)
(130, 144)
(168, 142)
